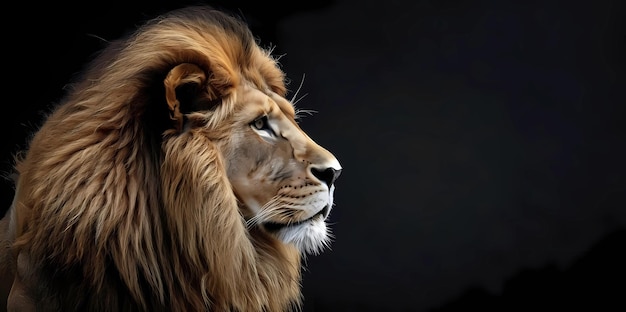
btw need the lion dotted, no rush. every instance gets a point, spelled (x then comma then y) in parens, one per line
(172, 176)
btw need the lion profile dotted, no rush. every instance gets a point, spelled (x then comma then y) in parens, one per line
(173, 176)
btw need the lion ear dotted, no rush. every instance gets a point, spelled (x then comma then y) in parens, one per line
(186, 91)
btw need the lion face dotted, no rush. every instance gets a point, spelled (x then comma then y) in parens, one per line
(282, 178)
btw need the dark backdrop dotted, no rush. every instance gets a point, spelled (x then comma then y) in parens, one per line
(483, 142)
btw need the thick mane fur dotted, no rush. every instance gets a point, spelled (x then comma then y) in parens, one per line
(128, 214)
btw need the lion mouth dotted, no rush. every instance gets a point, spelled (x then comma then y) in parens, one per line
(276, 226)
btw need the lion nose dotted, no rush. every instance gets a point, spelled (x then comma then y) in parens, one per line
(327, 175)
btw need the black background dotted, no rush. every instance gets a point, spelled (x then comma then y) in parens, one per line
(483, 142)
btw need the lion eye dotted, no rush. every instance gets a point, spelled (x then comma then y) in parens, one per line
(262, 124)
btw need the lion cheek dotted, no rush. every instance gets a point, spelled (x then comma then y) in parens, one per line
(252, 194)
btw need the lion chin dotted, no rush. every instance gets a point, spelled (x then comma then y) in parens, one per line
(172, 176)
(310, 236)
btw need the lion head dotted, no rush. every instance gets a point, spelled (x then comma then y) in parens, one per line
(173, 176)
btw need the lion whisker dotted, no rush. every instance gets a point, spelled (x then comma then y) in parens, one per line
(98, 37)
(267, 212)
(293, 98)
(309, 112)
(294, 102)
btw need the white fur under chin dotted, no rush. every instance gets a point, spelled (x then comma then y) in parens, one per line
(311, 237)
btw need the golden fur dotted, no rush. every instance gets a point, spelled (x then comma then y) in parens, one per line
(172, 177)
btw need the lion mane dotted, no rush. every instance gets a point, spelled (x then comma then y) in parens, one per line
(117, 208)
